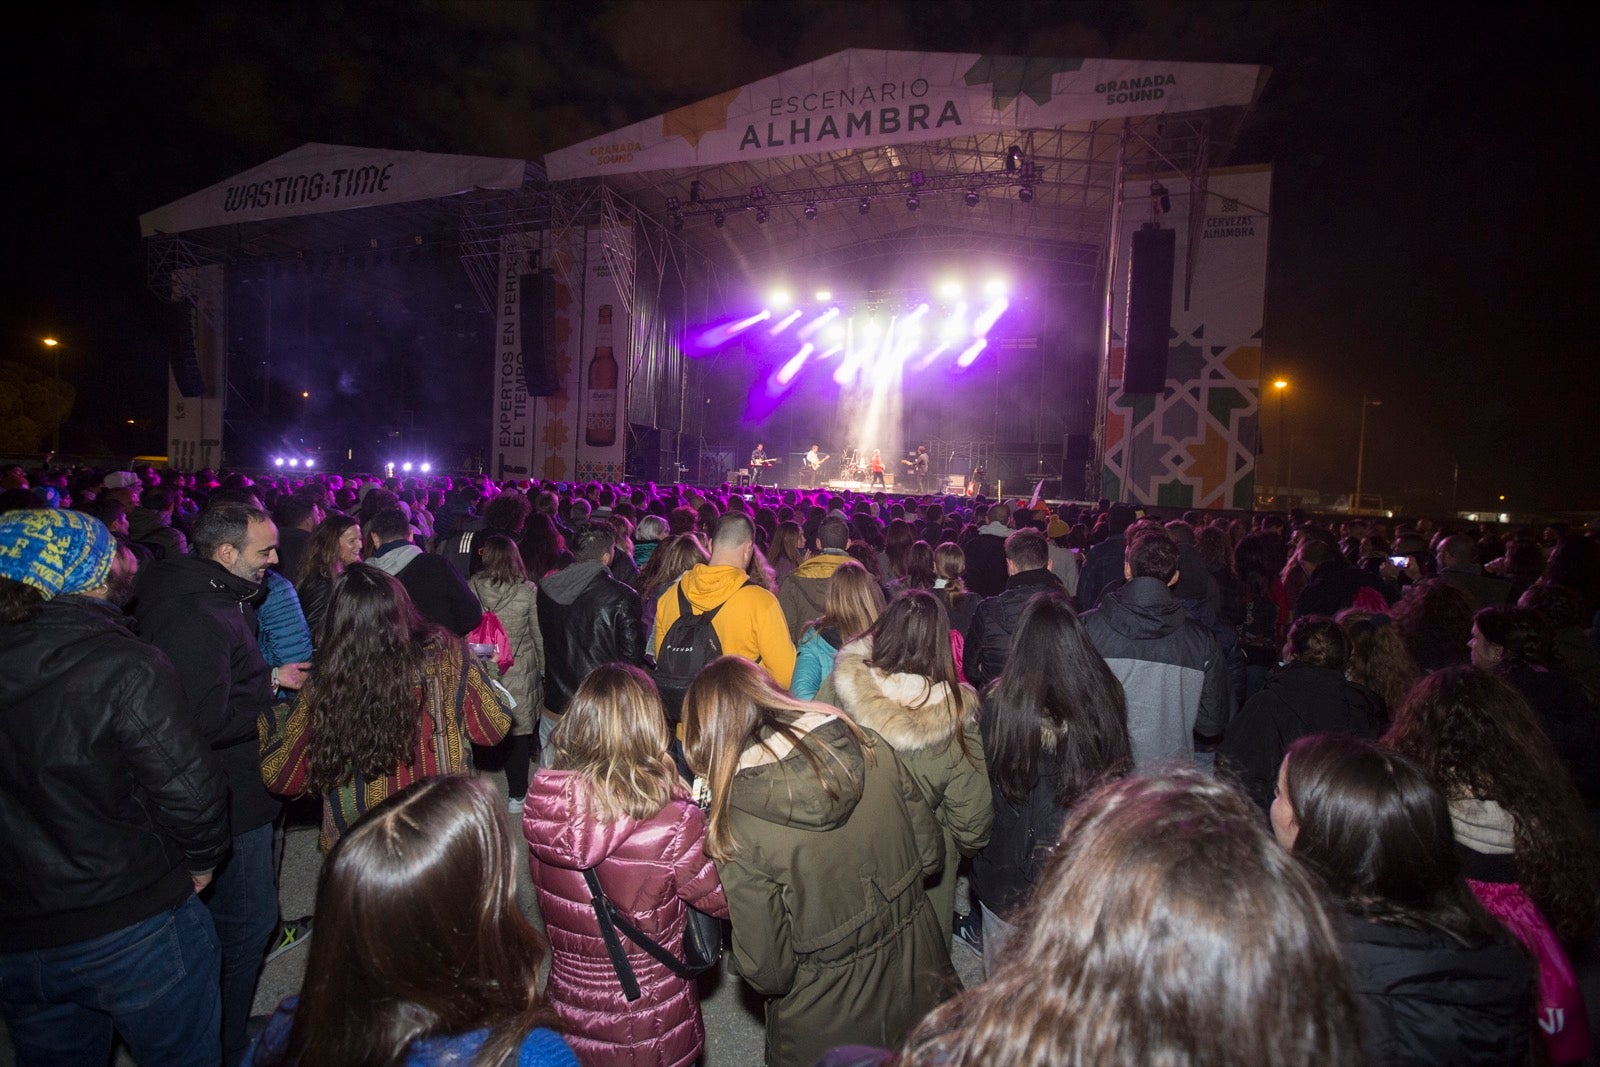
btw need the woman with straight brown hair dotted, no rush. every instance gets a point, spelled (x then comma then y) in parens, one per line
(677, 555)
(899, 680)
(501, 585)
(612, 801)
(1168, 928)
(788, 550)
(851, 605)
(421, 955)
(822, 841)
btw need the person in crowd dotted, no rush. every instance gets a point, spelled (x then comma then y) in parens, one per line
(1562, 608)
(151, 523)
(950, 583)
(282, 633)
(502, 586)
(1458, 567)
(1168, 928)
(1309, 695)
(422, 955)
(586, 618)
(919, 571)
(749, 621)
(297, 517)
(822, 841)
(396, 699)
(1053, 726)
(647, 537)
(897, 541)
(678, 554)
(1063, 558)
(986, 553)
(1378, 659)
(1521, 565)
(197, 610)
(1434, 621)
(543, 545)
(611, 801)
(899, 681)
(1517, 816)
(1171, 668)
(988, 636)
(112, 815)
(437, 589)
(787, 551)
(334, 545)
(1333, 583)
(1102, 565)
(1438, 979)
(805, 591)
(1518, 645)
(1258, 559)
(854, 603)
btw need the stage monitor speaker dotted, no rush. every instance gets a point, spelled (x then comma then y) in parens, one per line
(185, 358)
(1075, 459)
(536, 293)
(1149, 310)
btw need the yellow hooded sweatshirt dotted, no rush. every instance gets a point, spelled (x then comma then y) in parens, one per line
(752, 624)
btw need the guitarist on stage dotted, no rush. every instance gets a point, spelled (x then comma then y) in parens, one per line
(812, 463)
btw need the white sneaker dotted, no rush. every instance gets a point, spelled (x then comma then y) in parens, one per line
(514, 805)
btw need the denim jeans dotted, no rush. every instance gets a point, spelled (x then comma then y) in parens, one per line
(154, 982)
(997, 934)
(244, 904)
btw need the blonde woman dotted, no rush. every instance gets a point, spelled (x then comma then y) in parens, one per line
(822, 841)
(852, 604)
(502, 587)
(612, 801)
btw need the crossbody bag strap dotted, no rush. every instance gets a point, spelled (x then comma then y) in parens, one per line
(632, 932)
(619, 958)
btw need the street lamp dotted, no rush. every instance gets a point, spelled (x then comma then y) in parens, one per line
(55, 351)
(1281, 385)
(1361, 449)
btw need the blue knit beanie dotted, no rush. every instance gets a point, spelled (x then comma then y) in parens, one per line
(56, 552)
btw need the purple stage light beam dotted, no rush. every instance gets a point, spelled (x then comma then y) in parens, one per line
(966, 358)
(784, 323)
(717, 336)
(988, 317)
(787, 372)
(817, 323)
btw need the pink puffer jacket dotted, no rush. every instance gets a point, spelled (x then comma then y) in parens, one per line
(651, 871)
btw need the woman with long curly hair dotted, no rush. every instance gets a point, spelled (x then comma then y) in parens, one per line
(1378, 658)
(334, 545)
(394, 700)
(1440, 979)
(1516, 813)
(1054, 725)
(421, 955)
(1168, 928)
(611, 801)
(1434, 619)
(822, 841)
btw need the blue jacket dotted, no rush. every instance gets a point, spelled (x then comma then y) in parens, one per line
(813, 662)
(281, 628)
(541, 1048)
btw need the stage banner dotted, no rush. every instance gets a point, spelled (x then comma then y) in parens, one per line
(863, 99)
(600, 429)
(511, 414)
(1194, 443)
(318, 178)
(194, 423)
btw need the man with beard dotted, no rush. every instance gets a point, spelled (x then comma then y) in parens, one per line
(112, 814)
(198, 610)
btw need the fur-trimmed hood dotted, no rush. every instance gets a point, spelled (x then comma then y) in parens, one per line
(900, 708)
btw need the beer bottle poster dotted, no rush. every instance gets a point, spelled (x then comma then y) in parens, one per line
(599, 373)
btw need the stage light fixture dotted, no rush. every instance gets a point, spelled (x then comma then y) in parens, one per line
(761, 216)
(864, 206)
(780, 298)
(426, 467)
(823, 294)
(406, 466)
(950, 289)
(718, 219)
(294, 463)
(277, 461)
(917, 178)
(757, 192)
(310, 464)
(971, 198)
(694, 191)
(811, 211)
(994, 287)
(1025, 194)
(913, 202)
(1158, 193)
(1013, 158)
(674, 204)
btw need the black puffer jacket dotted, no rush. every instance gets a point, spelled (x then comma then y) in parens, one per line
(586, 618)
(1296, 701)
(1004, 870)
(994, 620)
(200, 615)
(107, 795)
(1425, 1000)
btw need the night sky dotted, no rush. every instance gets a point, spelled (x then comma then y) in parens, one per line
(1434, 214)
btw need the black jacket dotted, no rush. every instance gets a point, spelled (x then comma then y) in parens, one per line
(107, 795)
(586, 618)
(1004, 870)
(1333, 587)
(1102, 566)
(1425, 1000)
(988, 638)
(200, 615)
(441, 595)
(986, 563)
(1294, 702)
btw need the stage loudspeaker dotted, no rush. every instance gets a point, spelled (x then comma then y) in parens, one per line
(185, 359)
(1075, 459)
(1149, 310)
(536, 292)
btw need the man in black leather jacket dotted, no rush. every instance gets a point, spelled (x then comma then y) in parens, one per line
(587, 618)
(988, 638)
(112, 815)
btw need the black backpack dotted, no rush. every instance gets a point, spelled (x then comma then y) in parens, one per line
(687, 646)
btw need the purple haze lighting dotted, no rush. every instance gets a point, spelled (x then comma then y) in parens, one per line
(818, 323)
(927, 360)
(784, 323)
(787, 372)
(987, 318)
(717, 336)
(278, 461)
(966, 358)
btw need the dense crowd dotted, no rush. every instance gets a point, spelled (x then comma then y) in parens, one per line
(1197, 788)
